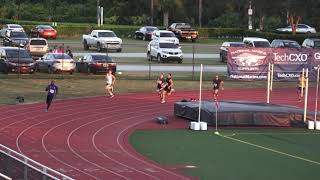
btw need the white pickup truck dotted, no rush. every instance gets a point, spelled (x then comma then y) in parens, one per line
(102, 40)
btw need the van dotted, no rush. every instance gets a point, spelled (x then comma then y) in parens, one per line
(256, 42)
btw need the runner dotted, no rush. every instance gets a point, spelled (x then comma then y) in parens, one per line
(160, 82)
(301, 86)
(110, 80)
(217, 83)
(167, 88)
(52, 92)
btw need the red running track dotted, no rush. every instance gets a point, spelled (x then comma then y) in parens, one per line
(88, 138)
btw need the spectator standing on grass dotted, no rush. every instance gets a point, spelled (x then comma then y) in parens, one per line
(167, 88)
(52, 92)
(55, 50)
(217, 84)
(301, 85)
(110, 80)
(60, 50)
(69, 52)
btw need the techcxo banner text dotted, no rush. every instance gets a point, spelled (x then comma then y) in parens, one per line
(252, 63)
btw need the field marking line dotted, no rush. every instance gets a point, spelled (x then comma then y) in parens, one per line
(271, 133)
(272, 150)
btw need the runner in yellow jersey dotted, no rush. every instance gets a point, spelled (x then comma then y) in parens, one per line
(301, 85)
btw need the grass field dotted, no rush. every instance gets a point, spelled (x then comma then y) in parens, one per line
(242, 154)
(186, 61)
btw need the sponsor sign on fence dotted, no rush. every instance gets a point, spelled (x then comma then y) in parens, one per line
(252, 63)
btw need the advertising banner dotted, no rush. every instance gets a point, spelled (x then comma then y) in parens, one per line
(252, 63)
(314, 64)
(248, 63)
(289, 62)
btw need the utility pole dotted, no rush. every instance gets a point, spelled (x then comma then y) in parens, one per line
(98, 12)
(152, 11)
(250, 16)
(200, 13)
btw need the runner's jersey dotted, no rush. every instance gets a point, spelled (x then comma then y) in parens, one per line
(216, 83)
(109, 79)
(302, 81)
(52, 90)
(168, 82)
(160, 82)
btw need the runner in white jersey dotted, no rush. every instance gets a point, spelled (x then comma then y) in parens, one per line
(110, 80)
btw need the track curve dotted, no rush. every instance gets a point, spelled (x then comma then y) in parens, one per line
(88, 138)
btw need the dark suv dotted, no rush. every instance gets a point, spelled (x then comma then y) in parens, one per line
(15, 38)
(13, 59)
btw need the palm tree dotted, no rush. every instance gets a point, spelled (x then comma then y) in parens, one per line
(166, 6)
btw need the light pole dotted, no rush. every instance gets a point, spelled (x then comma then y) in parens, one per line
(152, 11)
(250, 16)
(200, 13)
(19, 61)
(19, 67)
(98, 12)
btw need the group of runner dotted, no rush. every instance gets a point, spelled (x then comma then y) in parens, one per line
(164, 87)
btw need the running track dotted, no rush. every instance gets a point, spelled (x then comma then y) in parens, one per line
(88, 138)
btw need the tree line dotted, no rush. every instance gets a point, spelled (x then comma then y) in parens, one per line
(267, 15)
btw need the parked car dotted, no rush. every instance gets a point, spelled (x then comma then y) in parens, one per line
(15, 38)
(44, 31)
(37, 47)
(256, 42)
(224, 49)
(311, 43)
(165, 35)
(14, 59)
(302, 28)
(10, 27)
(145, 32)
(280, 43)
(184, 31)
(96, 63)
(102, 40)
(164, 51)
(56, 62)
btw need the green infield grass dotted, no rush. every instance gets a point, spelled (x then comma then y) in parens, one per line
(242, 154)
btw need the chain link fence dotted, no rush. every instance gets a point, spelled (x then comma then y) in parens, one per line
(132, 61)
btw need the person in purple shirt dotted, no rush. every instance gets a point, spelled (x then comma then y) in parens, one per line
(52, 92)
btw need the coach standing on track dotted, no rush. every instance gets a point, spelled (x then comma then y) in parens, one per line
(52, 92)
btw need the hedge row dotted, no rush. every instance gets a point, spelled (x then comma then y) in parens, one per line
(77, 29)
(235, 33)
